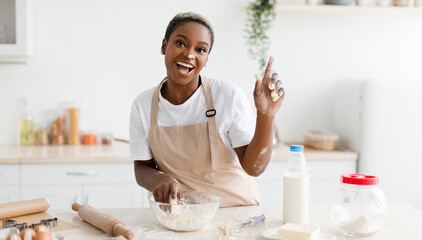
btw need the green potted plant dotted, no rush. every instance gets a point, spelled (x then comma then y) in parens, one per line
(260, 15)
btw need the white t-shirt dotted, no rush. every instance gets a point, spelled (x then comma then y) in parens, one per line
(235, 116)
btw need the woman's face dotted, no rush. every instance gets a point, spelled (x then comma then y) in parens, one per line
(186, 52)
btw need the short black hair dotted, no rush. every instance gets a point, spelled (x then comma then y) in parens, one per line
(182, 18)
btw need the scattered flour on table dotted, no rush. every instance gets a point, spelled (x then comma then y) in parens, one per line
(151, 231)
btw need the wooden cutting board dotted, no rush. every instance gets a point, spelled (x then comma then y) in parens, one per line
(37, 217)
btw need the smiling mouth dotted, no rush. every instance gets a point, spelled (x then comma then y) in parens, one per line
(184, 68)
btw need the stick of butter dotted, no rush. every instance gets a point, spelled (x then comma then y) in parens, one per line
(298, 232)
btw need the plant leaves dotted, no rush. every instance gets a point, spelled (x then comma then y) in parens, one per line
(259, 16)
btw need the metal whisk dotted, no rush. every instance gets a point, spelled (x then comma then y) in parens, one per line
(233, 227)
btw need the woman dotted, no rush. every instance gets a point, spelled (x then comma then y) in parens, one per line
(195, 133)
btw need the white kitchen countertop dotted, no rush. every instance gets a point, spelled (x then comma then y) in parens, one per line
(404, 223)
(119, 152)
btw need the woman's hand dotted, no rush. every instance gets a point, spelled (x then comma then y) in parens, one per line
(167, 190)
(262, 94)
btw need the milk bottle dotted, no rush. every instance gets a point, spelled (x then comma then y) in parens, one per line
(296, 188)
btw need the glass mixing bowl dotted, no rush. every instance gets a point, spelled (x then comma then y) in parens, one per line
(196, 210)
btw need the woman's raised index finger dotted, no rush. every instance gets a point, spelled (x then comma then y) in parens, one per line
(267, 73)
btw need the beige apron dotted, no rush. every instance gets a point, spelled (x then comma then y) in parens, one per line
(196, 156)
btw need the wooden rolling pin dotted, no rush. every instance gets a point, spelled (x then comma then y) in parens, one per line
(105, 222)
(15, 209)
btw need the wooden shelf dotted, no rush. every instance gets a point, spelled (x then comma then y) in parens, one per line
(352, 9)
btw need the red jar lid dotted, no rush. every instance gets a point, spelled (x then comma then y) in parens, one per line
(359, 179)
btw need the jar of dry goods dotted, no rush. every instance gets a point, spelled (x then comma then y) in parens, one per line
(106, 138)
(41, 133)
(401, 3)
(57, 130)
(359, 208)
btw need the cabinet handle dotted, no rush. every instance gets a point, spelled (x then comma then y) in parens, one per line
(86, 173)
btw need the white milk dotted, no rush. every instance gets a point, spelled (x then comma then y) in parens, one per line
(296, 198)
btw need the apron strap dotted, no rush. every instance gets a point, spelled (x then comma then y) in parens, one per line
(212, 123)
(154, 104)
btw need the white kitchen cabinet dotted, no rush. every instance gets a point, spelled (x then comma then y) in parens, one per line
(103, 185)
(16, 30)
(9, 174)
(77, 173)
(9, 183)
(60, 197)
(9, 194)
(324, 180)
(115, 195)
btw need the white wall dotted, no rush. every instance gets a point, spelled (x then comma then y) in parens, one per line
(105, 52)
(316, 50)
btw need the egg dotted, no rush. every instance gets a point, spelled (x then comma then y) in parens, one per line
(28, 234)
(14, 236)
(42, 236)
(41, 228)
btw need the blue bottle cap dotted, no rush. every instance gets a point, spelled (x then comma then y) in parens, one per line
(296, 148)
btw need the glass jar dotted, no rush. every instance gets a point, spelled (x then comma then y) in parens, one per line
(26, 126)
(106, 138)
(41, 133)
(74, 137)
(89, 137)
(57, 129)
(27, 132)
(401, 3)
(359, 208)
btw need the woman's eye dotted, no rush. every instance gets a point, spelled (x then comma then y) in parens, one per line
(201, 50)
(180, 43)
